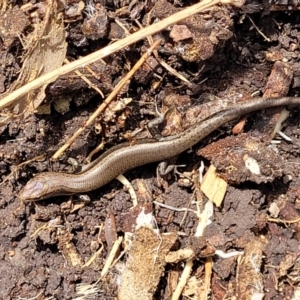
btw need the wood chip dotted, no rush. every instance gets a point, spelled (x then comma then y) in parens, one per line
(213, 186)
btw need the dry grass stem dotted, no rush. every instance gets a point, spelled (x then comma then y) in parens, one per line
(106, 102)
(93, 57)
(86, 80)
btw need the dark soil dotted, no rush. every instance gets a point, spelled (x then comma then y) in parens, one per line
(43, 245)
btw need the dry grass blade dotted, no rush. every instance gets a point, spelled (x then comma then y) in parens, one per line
(154, 28)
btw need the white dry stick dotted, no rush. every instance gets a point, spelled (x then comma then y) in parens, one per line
(203, 221)
(130, 188)
(204, 218)
(284, 114)
(183, 279)
(111, 257)
(174, 208)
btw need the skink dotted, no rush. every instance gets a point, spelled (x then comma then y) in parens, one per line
(124, 157)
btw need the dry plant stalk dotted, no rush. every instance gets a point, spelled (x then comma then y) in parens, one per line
(106, 102)
(135, 37)
(86, 80)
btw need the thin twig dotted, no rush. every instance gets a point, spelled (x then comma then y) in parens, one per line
(163, 63)
(86, 80)
(106, 102)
